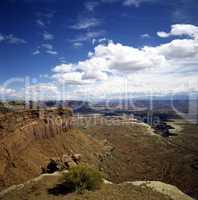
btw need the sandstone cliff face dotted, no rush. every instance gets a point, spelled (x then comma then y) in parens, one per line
(21, 129)
(31, 138)
(10, 121)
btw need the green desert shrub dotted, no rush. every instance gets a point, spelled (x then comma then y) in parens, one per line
(81, 178)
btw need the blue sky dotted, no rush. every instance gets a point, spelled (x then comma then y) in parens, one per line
(98, 47)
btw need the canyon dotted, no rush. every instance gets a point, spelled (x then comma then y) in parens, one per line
(126, 152)
(30, 138)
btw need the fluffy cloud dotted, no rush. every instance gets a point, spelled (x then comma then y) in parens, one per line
(115, 57)
(122, 58)
(71, 78)
(95, 75)
(151, 68)
(114, 69)
(6, 92)
(179, 49)
(68, 73)
(79, 74)
(181, 30)
(63, 68)
(41, 92)
(105, 60)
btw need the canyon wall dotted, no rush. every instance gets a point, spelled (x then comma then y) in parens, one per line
(22, 130)
(11, 120)
(29, 138)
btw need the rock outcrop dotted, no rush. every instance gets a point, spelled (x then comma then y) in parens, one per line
(21, 129)
(37, 136)
(142, 190)
(58, 164)
(11, 120)
(166, 189)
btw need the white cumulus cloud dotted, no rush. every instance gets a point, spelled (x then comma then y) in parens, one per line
(150, 68)
(181, 30)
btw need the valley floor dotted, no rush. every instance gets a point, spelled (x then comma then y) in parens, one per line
(138, 155)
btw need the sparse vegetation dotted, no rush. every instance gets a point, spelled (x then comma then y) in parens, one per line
(81, 178)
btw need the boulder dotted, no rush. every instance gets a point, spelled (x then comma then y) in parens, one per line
(76, 158)
(67, 161)
(57, 164)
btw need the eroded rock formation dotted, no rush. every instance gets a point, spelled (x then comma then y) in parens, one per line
(20, 129)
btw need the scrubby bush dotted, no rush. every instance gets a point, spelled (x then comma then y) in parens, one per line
(81, 178)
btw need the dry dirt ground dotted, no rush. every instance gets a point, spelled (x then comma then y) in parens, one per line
(41, 187)
(138, 155)
(26, 164)
(123, 152)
